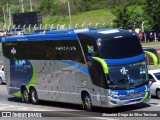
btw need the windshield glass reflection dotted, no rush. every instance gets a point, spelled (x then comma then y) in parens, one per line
(126, 75)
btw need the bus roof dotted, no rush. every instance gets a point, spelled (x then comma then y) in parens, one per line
(70, 34)
(107, 34)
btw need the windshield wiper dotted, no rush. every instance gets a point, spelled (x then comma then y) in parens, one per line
(139, 81)
(123, 81)
(118, 86)
(115, 86)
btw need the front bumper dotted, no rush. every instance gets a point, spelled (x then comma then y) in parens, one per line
(115, 102)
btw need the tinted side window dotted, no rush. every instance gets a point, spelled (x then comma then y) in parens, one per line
(65, 50)
(97, 75)
(25, 50)
(44, 50)
(90, 48)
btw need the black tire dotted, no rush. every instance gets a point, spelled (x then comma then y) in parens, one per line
(34, 96)
(1, 82)
(158, 93)
(87, 102)
(25, 96)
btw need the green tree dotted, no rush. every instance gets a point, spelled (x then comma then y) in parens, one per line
(136, 16)
(122, 17)
(152, 10)
(87, 5)
(127, 15)
(115, 3)
(3, 6)
(48, 7)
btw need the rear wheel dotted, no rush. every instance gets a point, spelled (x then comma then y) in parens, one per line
(158, 94)
(87, 103)
(34, 96)
(25, 95)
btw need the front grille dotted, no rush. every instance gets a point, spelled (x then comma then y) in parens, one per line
(134, 95)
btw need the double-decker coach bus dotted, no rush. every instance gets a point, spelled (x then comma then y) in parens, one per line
(94, 67)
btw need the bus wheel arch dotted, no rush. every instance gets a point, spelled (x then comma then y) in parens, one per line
(33, 95)
(25, 94)
(86, 101)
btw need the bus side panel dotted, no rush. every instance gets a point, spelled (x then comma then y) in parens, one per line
(55, 81)
(48, 83)
(84, 83)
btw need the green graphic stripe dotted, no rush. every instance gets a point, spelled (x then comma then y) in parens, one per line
(154, 57)
(146, 95)
(103, 63)
(31, 83)
(33, 80)
(17, 94)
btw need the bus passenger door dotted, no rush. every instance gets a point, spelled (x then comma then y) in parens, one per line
(103, 91)
(99, 82)
(102, 85)
(90, 49)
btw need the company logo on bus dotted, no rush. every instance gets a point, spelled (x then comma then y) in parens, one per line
(123, 71)
(13, 51)
(21, 65)
(21, 70)
(90, 49)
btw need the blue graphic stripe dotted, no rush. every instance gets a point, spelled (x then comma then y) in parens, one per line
(42, 37)
(76, 65)
(3, 39)
(125, 60)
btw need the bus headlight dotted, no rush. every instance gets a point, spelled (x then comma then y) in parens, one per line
(115, 96)
(113, 93)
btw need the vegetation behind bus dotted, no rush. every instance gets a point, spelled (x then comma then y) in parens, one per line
(56, 11)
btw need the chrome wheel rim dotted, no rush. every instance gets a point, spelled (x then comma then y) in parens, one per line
(88, 102)
(25, 94)
(34, 96)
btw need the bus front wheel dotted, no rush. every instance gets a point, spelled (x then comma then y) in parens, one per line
(34, 96)
(87, 103)
(25, 95)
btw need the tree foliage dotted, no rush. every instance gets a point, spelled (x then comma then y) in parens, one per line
(152, 11)
(127, 16)
(122, 9)
(116, 3)
(87, 5)
(48, 7)
(122, 16)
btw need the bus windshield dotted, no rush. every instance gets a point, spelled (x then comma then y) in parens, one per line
(126, 75)
(122, 47)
